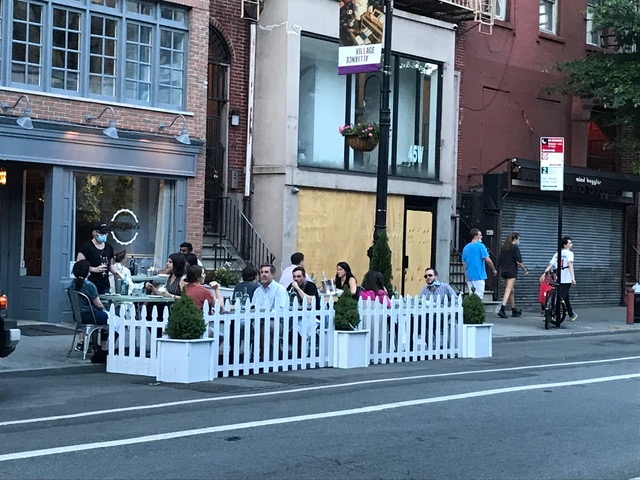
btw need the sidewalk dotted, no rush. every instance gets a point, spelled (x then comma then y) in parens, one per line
(44, 346)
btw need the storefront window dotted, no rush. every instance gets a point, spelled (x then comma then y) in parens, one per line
(139, 210)
(416, 118)
(326, 97)
(322, 105)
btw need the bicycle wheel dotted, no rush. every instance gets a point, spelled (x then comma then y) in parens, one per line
(549, 309)
(550, 314)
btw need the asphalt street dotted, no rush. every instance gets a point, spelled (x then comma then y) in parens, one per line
(547, 409)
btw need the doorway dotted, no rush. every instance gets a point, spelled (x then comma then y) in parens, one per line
(217, 127)
(418, 248)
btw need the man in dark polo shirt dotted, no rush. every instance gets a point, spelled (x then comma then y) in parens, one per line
(303, 290)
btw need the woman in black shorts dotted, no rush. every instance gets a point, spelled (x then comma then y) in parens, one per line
(508, 262)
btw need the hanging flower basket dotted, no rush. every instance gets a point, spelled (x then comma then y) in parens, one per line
(362, 137)
(362, 144)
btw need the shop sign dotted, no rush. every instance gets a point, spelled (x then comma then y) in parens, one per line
(552, 164)
(361, 36)
(124, 226)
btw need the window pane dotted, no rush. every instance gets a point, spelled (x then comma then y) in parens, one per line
(27, 34)
(138, 65)
(417, 110)
(547, 14)
(33, 221)
(500, 9)
(172, 70)
(322, 105)
(102, 64)
(149, 200)
(65, 50)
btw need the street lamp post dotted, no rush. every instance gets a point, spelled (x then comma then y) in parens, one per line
(385, 126)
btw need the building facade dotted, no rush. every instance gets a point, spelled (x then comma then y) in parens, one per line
(313, 193)
(506, 108)
(96, 78)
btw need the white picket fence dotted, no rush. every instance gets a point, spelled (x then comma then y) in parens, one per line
(250, 342)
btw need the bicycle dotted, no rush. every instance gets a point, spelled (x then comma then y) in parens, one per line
(554, 313)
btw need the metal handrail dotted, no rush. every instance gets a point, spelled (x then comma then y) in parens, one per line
(233, 225)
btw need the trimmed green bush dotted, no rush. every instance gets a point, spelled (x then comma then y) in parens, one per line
(186, 321)
(381, 259)
(473, 309)
(346, 312)
(223, 275)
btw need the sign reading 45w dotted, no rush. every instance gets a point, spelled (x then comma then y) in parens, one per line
(552, 164)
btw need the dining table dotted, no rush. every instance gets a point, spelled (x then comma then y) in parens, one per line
(142, 278)
(136, 301)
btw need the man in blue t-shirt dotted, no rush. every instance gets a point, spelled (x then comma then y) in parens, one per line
(474, 257)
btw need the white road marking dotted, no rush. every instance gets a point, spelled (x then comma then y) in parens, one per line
(302, 389)
(301, 418)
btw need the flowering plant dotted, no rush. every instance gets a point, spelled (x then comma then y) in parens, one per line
(370, 131)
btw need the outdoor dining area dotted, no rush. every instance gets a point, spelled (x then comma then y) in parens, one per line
(239, 339)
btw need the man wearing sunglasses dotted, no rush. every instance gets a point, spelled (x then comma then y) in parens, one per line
(435, 288)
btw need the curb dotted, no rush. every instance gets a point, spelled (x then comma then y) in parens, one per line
(552, 336)
(53, 371)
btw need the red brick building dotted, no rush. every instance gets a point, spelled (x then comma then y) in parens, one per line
(506, 108)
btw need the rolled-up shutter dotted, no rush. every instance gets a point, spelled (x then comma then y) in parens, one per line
(597, 234)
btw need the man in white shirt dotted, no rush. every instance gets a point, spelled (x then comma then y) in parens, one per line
(269, 295)
(567, 275)
(297, 260)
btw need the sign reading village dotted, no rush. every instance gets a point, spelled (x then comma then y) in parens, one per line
(361, 33)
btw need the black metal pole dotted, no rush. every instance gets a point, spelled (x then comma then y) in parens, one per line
(385, 126)
(559, 260)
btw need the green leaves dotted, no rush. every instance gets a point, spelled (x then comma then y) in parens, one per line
(473, 309)
(346, 312)
(186, 321)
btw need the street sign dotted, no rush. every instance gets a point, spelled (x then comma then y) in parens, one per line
(552, 164)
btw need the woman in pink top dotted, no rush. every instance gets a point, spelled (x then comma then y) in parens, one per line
(373, 287)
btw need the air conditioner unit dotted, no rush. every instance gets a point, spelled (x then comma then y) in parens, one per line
(251, 9)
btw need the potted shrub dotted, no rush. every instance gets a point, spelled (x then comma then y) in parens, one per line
(350, 346)
(362, 136)
(226, 278)
(185, 356)
(476, 335)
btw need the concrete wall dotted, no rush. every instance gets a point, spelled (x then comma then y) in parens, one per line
(276, 139)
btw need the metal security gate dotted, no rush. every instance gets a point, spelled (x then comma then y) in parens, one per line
(597, 233)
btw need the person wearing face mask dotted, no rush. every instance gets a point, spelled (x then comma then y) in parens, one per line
(100, 257)
(509, 261)
(435, 288)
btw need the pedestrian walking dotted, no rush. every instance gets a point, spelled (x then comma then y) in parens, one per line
(474, 257)
(509, 261)
(567, 275)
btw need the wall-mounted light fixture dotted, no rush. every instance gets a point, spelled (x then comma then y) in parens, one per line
(111, 130)
(3, 176)
(235, 117)
(295, 190)
(25, 120)
(184, 134)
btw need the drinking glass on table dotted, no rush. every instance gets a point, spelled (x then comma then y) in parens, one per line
(105, 266)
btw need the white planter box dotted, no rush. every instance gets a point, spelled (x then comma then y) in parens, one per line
(184, 361)
(477, 340)
(351, 349)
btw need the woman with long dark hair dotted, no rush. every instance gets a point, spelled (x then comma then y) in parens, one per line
(373, 287)
(509, 261)
(96, 308)
(176, 264)
(345, 280)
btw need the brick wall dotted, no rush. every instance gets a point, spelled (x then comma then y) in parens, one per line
(225, 18)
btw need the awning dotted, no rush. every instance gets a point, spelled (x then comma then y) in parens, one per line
(576, 178)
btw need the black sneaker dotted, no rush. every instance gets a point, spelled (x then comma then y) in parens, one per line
(515, 312)
(79, 347)
(502, 313)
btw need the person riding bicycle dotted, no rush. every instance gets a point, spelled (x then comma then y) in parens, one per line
(567, 275)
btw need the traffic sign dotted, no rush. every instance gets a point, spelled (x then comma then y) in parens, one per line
(552, 164)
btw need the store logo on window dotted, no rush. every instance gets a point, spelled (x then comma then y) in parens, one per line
(124, 226)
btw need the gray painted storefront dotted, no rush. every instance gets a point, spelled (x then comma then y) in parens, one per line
(597, 234)
(60, 150)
